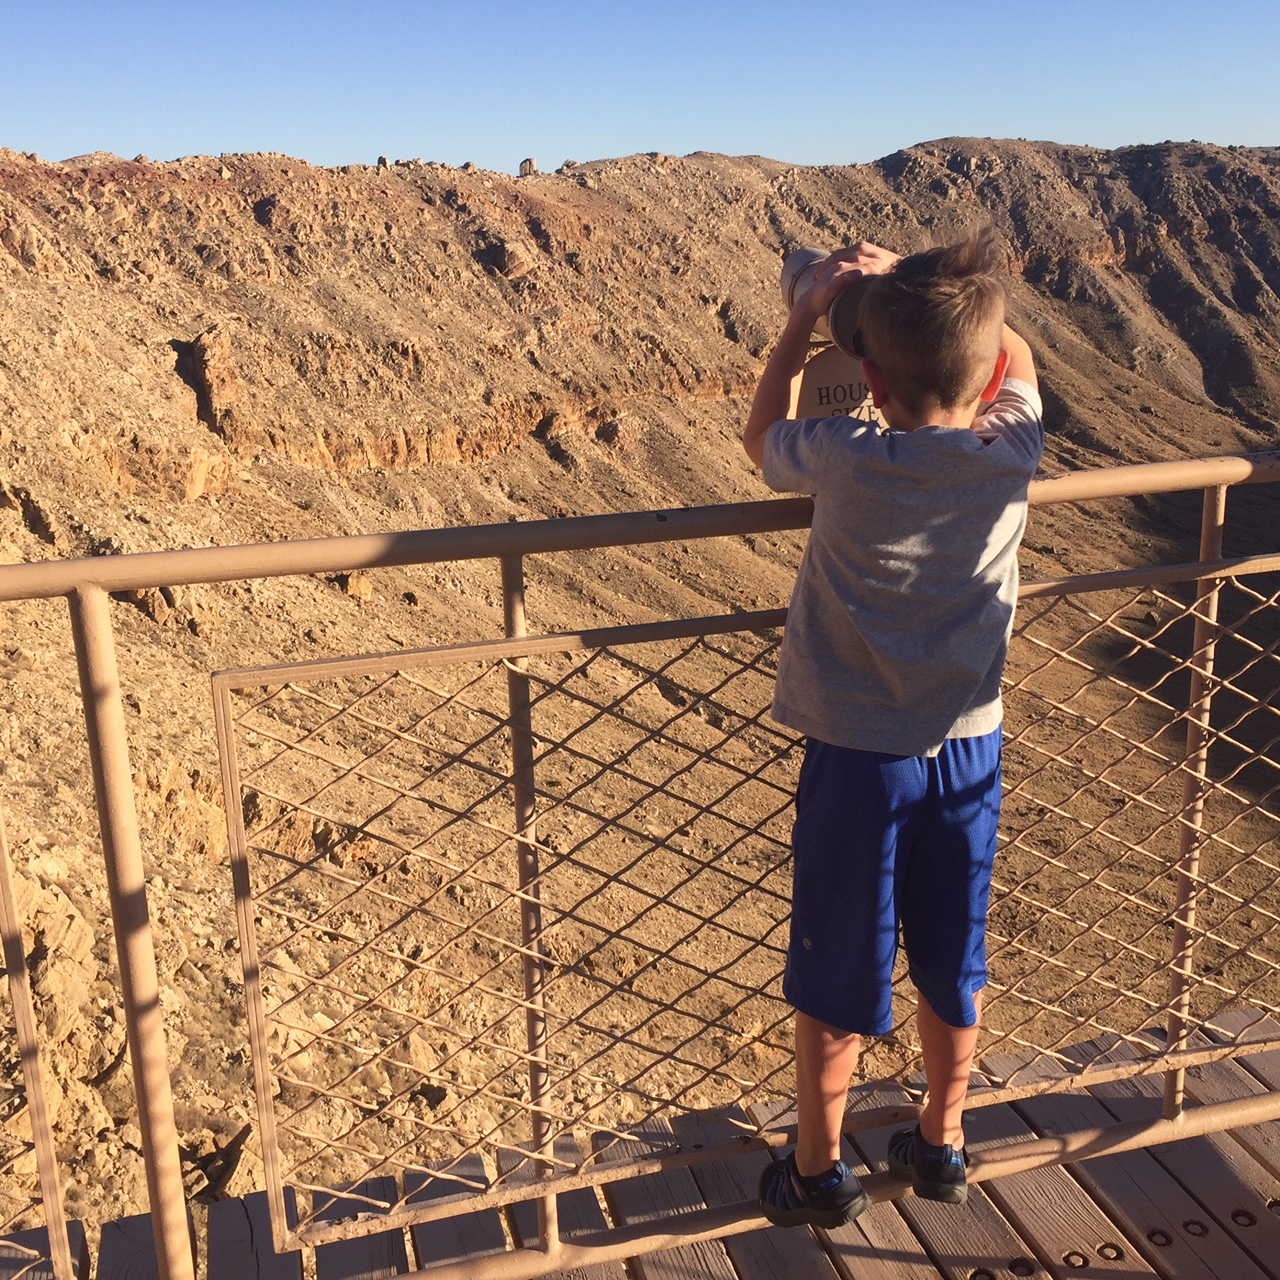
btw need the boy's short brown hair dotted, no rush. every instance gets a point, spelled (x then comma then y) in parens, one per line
(934, 324)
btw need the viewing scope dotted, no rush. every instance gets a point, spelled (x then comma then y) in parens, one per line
(840, 324)
(831, 383)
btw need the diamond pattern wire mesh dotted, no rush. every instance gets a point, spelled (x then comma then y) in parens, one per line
(378, 813)
(20, 1199)
(31, 1205)
(379, 818)
(1096, 732)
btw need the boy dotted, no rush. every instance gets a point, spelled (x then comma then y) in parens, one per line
(895, 643)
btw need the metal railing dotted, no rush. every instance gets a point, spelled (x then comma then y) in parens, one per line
(505, 906)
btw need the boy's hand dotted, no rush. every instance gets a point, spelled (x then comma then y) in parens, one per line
(834, 273)
(869, 258)
(837, 272)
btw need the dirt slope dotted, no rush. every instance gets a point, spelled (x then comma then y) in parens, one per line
(238, 348)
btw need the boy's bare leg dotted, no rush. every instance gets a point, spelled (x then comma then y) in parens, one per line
(825, 1061)
(948, 1058)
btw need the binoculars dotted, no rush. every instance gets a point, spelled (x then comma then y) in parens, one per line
(831, 384)
(840, 324)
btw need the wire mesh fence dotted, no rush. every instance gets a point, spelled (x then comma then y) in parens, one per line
(379, 825)
(1097, 812)
(36, 1236)
(448, 978)
(397, 1002)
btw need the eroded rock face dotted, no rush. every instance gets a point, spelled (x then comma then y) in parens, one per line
(401, 315)
(219, 393)
(247, 348)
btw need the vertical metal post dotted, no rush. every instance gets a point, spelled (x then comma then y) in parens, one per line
(1194, 788)
(135, 954)
(24, 1018)
(224, 722)
(530, 905)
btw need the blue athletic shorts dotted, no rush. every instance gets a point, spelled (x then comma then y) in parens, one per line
(883, 841)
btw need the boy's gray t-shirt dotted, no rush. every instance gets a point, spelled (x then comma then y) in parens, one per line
(902, 610)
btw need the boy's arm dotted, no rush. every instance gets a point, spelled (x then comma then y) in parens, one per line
(1013, 417)
(1021, 364)
(773, 396)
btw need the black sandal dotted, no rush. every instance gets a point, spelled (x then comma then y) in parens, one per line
(935, 1173)
(828, 1200)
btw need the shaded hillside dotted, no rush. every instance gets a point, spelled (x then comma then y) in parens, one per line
(232, 349)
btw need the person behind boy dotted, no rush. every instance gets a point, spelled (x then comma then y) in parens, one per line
(891, 663)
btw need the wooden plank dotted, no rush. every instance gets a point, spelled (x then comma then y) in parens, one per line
(773, 1253)
(579, 1211)
(1050, 1210)
(963, 1240)
(879, 1245)
(373, 1257)
(127, 1249)
(1225, 1081)
(657, 1196)
(1166, 1223)
(469, 1235)
(1242, 1024)
(1234, 1189)
(239, 1240)
(15, 1258)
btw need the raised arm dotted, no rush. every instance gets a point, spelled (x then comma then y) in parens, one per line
(1021, 364)
(773, 396)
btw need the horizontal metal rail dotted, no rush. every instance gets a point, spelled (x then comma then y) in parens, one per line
(1161, 576)
(733, 1219)
(381, 550)
(1156, 477)
(135, 572)
(683, 1157)
(687, 628)
(497, 650)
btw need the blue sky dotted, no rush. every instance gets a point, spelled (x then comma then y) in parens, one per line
(339, 83)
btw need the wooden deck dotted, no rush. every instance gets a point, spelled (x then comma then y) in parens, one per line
(1204, 1208)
